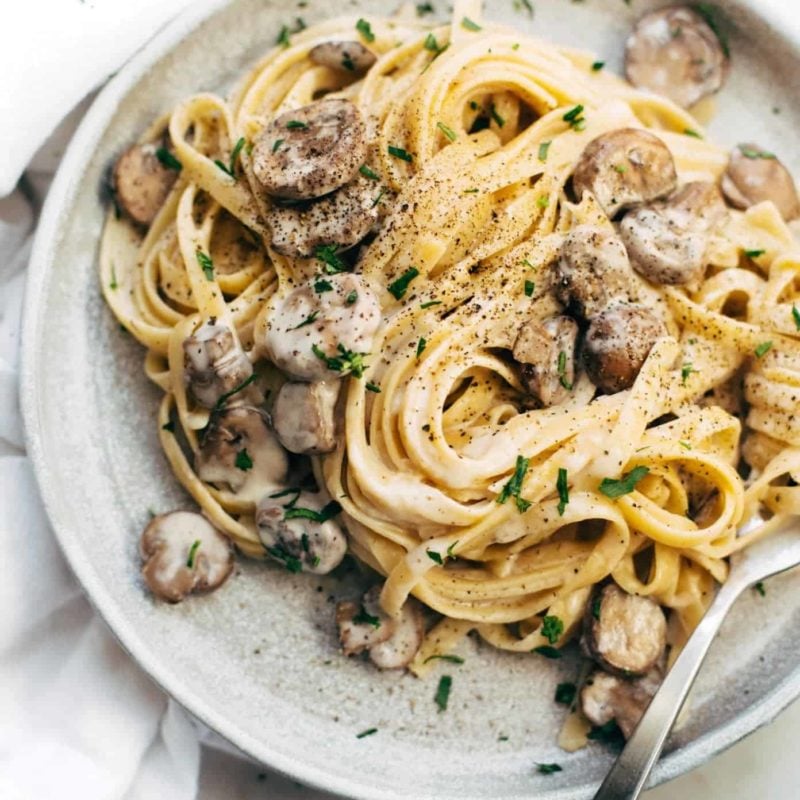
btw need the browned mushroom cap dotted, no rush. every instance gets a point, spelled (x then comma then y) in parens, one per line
(401, 647)
(142, 182)
(312, 151)
(546, 351)
(304, 416)
(675, 53)
(624, 168)
(667, 240)
(617, 344)
(215, 364)
(240, 449)
(754, 176)
(626, 634)
(340, 220)
(301, 534)
(605, 697)
(593, 270)
(363, 625)
(184, 553)
(347, 56)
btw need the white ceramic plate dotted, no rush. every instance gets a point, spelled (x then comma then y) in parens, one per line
(258, 661)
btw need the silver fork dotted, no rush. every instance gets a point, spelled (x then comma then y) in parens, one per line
(778, 552)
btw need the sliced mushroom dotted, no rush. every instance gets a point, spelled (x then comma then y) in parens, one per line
(340, 220)
(593, 270)
(617, 344)
(142, 182)
(184, 553)
(239, 449)
(401, 647)
(215, 363)
(298, 535)
(624, 168)
(363, 625)
(546, 351)
(626, 634)
(755, 176)
(667, 240)
(304, 416)
(337, 323)
(605, 697)
(347, 56)
(311, 151)
(675, 53)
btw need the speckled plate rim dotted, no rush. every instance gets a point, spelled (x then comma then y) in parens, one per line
(55, 210)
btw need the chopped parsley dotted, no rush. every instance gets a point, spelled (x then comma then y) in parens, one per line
(399, 287)
(365, 29)
(686, 370)
(168, 426)
(113, 285)
(543, 201)
(548, 769)
(613, 488)
(530, 288)
(328, 512)
(372, 387)
(598, 65)
(496, 116)
(243, 460)
(398, 152)
(524, 5)
(796, 317)
(309, 320)
(562, 371)
(425, 8)
(451, 549)
(431, 304)
(596, 606)
(283, 37)
(296, 125)
(692, 132)
(444, 657)
(168, 160)
(378, 198)
(421, 345)
(711, 14)
(206, 264)
(547, 651)
(575, 119)
(754, 253)
(565, 693)
(749, 152)
(327, 254)
(230, 169)
(363, 618)
(351, 298)
(190, 561)
(685, 445)
(759, 587)
(563, 491)
(552, 628)
(469, 25)
(348, 63)
(367, 732)
(347, 363)
(369, 173)
(763, 349)
(225, 397)
(290, 562)
(620, 168)
(435, 557)
(277, 145)
(544, 147)
(447, 131)
(432, 45)
(608, 733)
(514, 486)
(443, 692)
(321, 286)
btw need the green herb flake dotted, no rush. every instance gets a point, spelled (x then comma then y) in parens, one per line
(691, 132)
(190, 561)
(524, 5)
(543, 202)
(749, 152)
(369, 173)
(763, 349)
(597, 603)
(574, 118)
(759, 588)
(399, 287)
(468, 25)
(443, 692)
(363, 618)
(309, 320)
(328, 255)
(291, 563)
(565, 694)
(796, 317)
(372, 387)
(168, 426)
(243, 460)
(430, 304)
(113, 285)
(348, 63)
(321, 286)
(500, 121)
(398, 152)
(544, 148)
(451, 549)
(435, 557)
(617, 488)
(598, 65)
(206, 264)
(168, 160)
(548, 769)
(327, 513)
(296, 125)
(225, 397)
(277, 145)
(365, 29)
(425, 8)
(346, 363)
(230, 168)
(284, 39)
(552, 628)
(447, 131)
(754, 253)
(547, 651)
(620, 168)
(351, 298)
(562, 485)
(685, 445)
(713, 18)
(530, 288)
(432, 45)
(421, 345)
(513, 487)
(444, 657)
(686, 370)
(378, 198)
(562, 371)
(608, 733)
(367, 732)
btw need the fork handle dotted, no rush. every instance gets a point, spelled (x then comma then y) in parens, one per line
(631, 770)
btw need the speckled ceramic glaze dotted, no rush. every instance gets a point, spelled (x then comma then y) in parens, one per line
(258, 661)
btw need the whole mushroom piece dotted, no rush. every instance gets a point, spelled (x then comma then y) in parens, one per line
(142, 183)
(754, 176)
(624, 168)
(304, 416)
(343, 56)
(184, 553)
